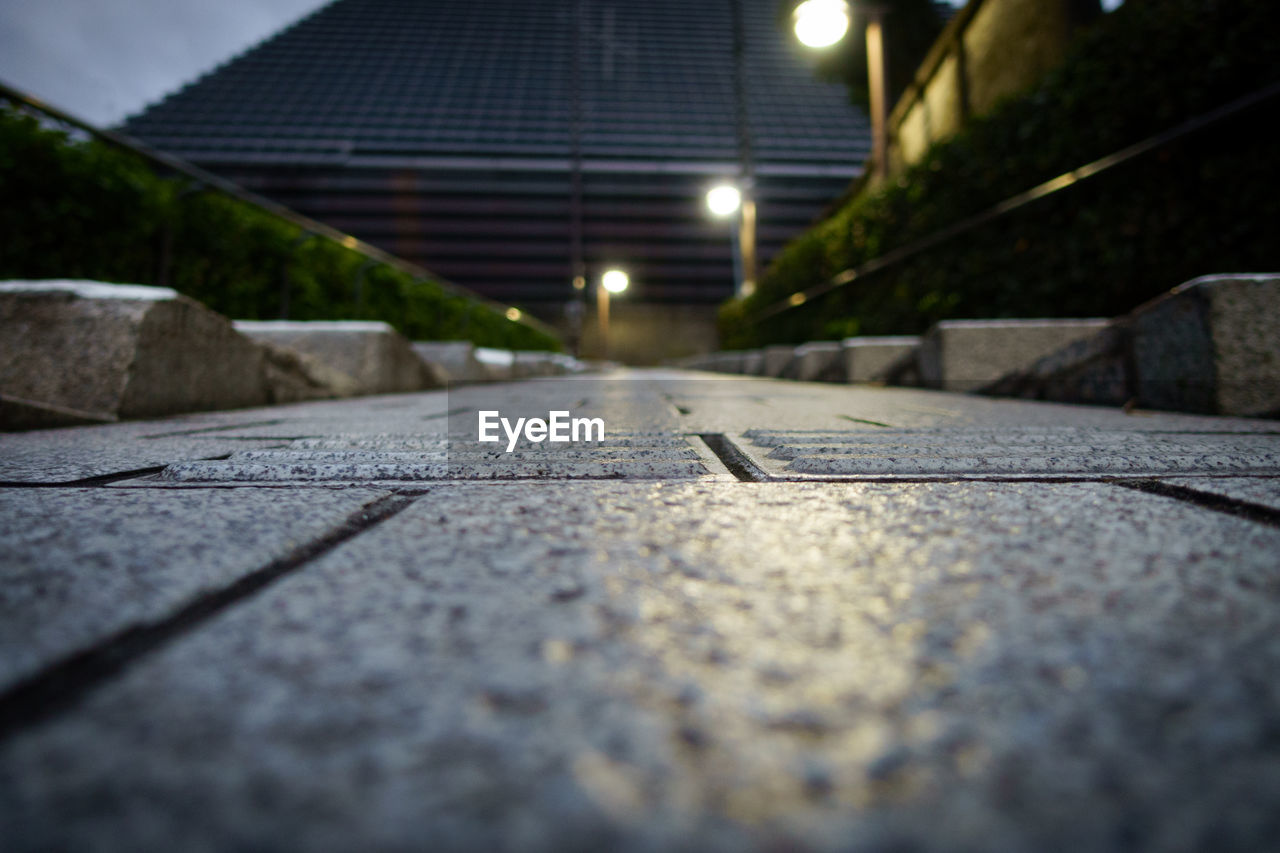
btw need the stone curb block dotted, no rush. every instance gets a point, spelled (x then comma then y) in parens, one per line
(95, 351)
(869, 359)
(966, 355)
(752, 362)
(776, 360)
(728, 362)
(1211, 345)
(531, 364)
(1092, 370)
(375, 357)
(455, 360)
(498, 364)
(295, 377)
(817, 361)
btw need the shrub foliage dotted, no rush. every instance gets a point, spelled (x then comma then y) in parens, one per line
(80, 208)
(1204, 203)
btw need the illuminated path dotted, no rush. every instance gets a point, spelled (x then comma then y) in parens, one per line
(758, 615)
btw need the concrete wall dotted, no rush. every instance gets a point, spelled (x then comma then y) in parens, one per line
(991, 49)
(648, 333)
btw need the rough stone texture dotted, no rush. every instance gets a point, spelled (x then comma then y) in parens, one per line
(1262, 491)
(455, 360)
(409, 459)
(533, 364)
(700, 665)
(819, 361)
(294, 376)
(964, 355)
(567, 364)
(122, 351)
(499, 365)
(1029, 453)
(68, 455)
(869, 359)
(375, 357)
(776, 360)
(81, 565)
(1211, 346)
(723, 362)
(753, 362)
(705, 667)
(19, 414)
(647, 405)
(1095, 369)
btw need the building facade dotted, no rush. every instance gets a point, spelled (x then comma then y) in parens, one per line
(515, 145)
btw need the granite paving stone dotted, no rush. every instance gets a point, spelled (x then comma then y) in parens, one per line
(675, 660)
(706, 666)
(81, 565)
(735, 404)
(1025, 453)
(68, 455)
(1263, 491)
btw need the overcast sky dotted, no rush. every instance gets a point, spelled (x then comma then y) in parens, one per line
(102, 60)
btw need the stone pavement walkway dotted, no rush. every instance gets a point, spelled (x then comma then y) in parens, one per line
(759, 615)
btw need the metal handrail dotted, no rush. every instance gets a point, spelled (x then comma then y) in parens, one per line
(1048, 188)
(222, 185)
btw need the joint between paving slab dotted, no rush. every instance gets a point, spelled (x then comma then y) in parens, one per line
(1205, 500)
(64, 685)
(221, 428)
(100, 480)
(738, 463)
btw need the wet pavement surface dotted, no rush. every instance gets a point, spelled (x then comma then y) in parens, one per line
(758, 615)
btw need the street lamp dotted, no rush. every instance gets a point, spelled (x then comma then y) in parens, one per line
(613, 281)
(822, 23)
(724, 200)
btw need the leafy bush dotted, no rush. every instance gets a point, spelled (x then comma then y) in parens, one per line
(77, 208)
(1205, 203)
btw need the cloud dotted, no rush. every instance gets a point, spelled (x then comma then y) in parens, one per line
(104, 59)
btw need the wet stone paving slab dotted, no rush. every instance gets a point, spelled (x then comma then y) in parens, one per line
(1026, 453)
(756, 616)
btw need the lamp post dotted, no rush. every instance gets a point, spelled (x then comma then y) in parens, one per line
(613, 281)
(822, 23)
(724, 200)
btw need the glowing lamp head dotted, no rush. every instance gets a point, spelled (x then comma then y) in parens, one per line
(821, 23)
(723, 200)
(615, 281)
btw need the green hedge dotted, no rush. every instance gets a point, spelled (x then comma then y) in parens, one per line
(77, 208)
(1207, 203)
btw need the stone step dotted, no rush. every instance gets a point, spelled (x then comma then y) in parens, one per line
(818, 361)
(455, 360)
(966, 355)
(777, 359)
(869, 359)
(1211, 345)
(376, 358)
(498, 364)
(110, 351)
